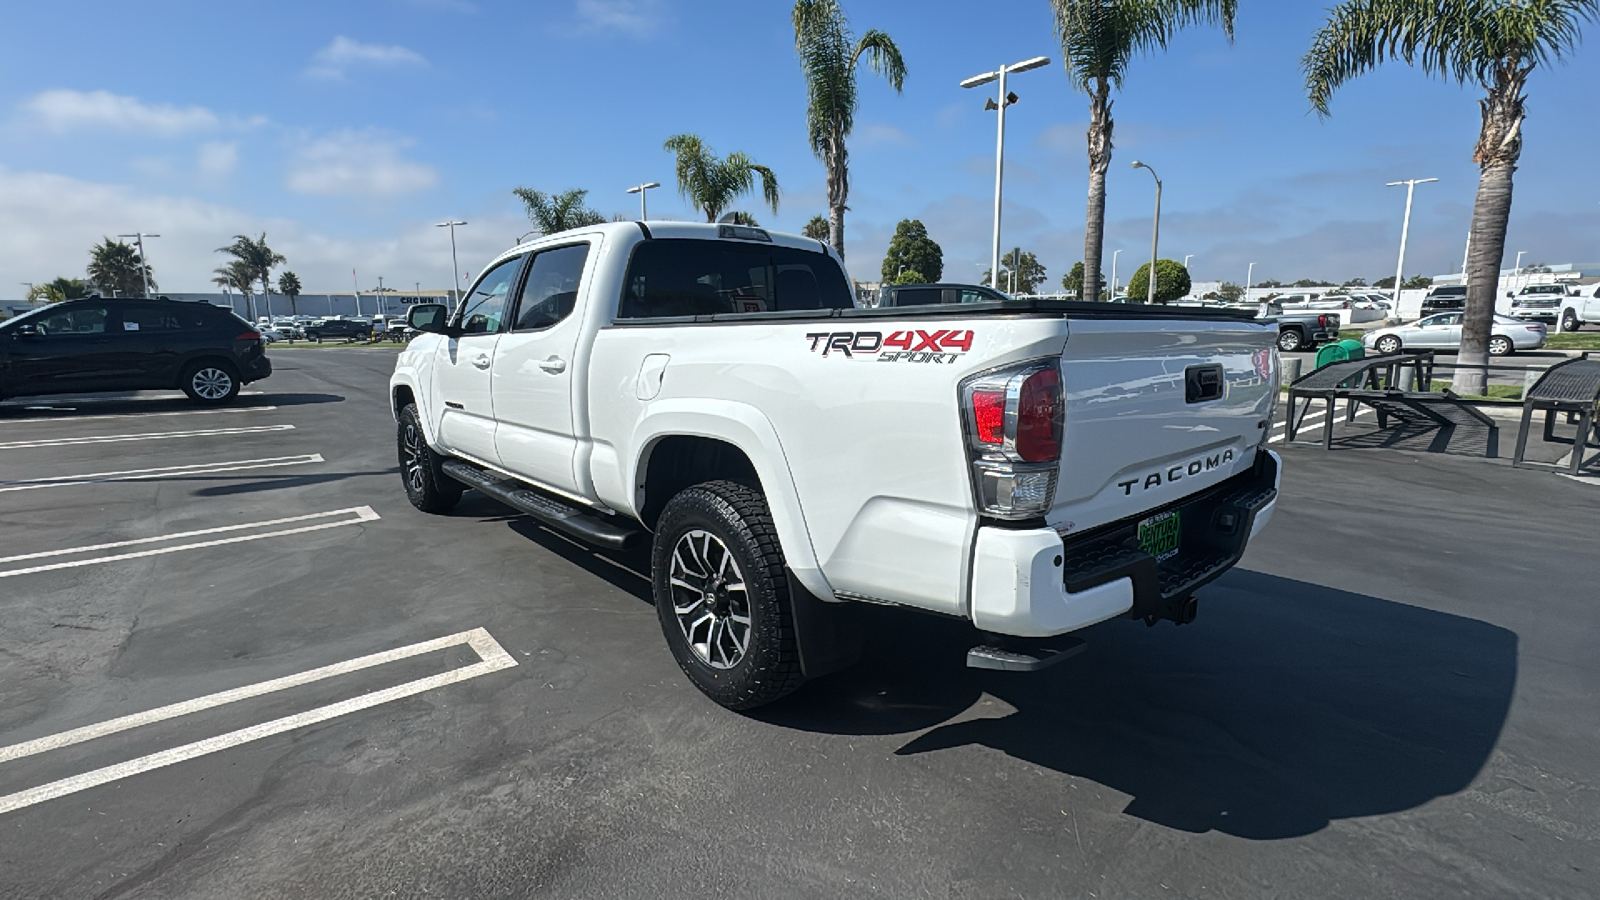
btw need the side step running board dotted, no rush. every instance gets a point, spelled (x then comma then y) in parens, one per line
(576, 521)
(1025, 659)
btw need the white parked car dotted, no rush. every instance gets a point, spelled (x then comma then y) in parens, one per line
(1443, 332)
(1032, 467)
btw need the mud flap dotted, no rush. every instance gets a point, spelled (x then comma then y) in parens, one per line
(828, 635)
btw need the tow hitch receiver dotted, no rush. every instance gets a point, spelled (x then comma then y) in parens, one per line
(1014, 658)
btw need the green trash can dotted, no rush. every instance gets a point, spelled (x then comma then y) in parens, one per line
(1340, 351)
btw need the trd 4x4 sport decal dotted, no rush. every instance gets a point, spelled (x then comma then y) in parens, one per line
(942, 346)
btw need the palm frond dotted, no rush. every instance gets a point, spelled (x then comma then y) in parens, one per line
(883, 57)
(1099, 37)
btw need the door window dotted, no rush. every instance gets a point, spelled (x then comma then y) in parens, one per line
(78, 320)
(150, 318)
(551, 288)
(668, 278)
(484, 310)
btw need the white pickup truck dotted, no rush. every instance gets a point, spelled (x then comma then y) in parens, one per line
(1580, 307)
(1032, 467)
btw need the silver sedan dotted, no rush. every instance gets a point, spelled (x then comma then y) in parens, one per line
(1443, 332)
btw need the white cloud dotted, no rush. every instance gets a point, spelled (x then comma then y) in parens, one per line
(217, 159)
(343, 53)
(357, 163)
(68, 110)
(636, 18)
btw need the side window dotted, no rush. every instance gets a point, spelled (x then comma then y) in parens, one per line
(149, 318)
(917, 297)
(551, 288)
(674, 277)
(484, 310)
(78, 320)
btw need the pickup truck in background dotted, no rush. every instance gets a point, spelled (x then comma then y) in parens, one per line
(1303, 331)
(1032, 467)
(1580, 307)
(1538, 303)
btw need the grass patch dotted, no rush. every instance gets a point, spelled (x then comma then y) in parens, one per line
(1589, 340)
(1496, 391)
(1352, 334)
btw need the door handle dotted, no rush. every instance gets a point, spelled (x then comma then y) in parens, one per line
(481, 361)
(554, 365)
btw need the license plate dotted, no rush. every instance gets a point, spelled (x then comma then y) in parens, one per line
(1160, 536)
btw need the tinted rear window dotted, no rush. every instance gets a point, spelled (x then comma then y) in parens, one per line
(702, 277)
(917, 296)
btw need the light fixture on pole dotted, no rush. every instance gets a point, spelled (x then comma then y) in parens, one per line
(1113, 297)
(1006, 99)
(144, 273)
(640, 189)
(1249, 275)
(1155, 234)
(1186, 258)
(525, 235)
(455, 291)
(1405, 229)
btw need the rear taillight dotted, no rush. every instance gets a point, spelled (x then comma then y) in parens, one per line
(1014, 420)
(1322, 321)
(249, 336)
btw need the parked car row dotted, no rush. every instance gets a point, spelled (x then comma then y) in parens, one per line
(1443, 332)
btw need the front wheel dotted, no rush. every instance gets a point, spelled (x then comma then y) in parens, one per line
(210, 383)
(1388, 344)
(1569, 321)
(1500, 346)
(717, 574)
(427, 486)
(1290, 341)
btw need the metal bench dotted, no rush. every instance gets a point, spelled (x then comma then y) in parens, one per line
(1572, 387)
(1355, 381)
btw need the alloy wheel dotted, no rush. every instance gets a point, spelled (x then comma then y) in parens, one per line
(212, 383)
(709, 599)
(413, 458)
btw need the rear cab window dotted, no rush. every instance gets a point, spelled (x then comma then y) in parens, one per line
(675, 278)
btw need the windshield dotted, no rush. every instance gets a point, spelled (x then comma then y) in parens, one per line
(11, 322)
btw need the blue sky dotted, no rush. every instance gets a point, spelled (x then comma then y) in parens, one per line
(345, 129)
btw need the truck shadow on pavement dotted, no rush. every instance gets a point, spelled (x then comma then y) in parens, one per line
(1285, 706)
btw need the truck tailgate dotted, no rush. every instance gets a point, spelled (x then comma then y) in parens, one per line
(1156, 410)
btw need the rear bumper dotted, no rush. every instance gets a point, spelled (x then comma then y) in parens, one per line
(255, 369)
(1034, 583)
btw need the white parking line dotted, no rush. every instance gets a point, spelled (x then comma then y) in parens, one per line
(361, 514)
(151, 436)
(491, 658)
(1310, 419)
(138, 415)
(31, 484)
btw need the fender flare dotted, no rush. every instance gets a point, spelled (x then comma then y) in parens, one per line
(748, 429)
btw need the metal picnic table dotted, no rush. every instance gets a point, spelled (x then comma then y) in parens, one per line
(1572, 387)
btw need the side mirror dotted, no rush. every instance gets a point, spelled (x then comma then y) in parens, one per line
(27, 331)
(1511, 295)
(429, 317)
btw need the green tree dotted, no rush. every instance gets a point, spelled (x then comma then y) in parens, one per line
(1416, 282)
(1355, 282)
(258, 258)
(289, 286)
(816, 229)
(829, 54)
(711, 184)
(1029, 273)
(1229, 292)
(240, 276)
(910, 276)
(1073, 282)
(114, 270)
(58, 290)
(1492, 44)
(1099, 38)
(1308, 282)
(912, 248)
(1172, 282)
(1269, 283)
(44, 293)
(740, 218)
(554, 213)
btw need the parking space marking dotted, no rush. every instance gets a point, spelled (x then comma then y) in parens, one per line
(139, 415)
(491, 658)
(151, 436)
(31, 484)
(360, 515)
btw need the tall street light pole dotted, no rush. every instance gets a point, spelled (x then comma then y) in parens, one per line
(1186, 258)
(640, 190)
(144, 273)
(455, 291)
(1405, 229)
(1155, 234)
(1250, 274)
(1000, 143)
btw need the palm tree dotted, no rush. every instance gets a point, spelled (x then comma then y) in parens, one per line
(816, 229)
(1098, 40)
(711, 184)
(557, 212)
(828, 58)
(289, 286)
(260, 258)
(1493, 44)
(240, 276)
(114, 269)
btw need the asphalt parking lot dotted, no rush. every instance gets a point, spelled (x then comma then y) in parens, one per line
(236, 663)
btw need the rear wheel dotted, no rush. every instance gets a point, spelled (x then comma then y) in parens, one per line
(1569, 321)
(1290, 340)
(722, 596)
(1388, 344)
(210, 382)
(427, 487)
(1500, 346)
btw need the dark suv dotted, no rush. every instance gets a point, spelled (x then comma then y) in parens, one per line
(935, 294)
(345, 329)
(1452, 298)
(95, 344)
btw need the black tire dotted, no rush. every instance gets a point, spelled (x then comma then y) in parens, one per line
(1569, 321)
(314, 337)
(210, 381)
(427, 486)
(737, 518)
(1290, 340)
(1500, 345)
(1387, 345)
(363, 335)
